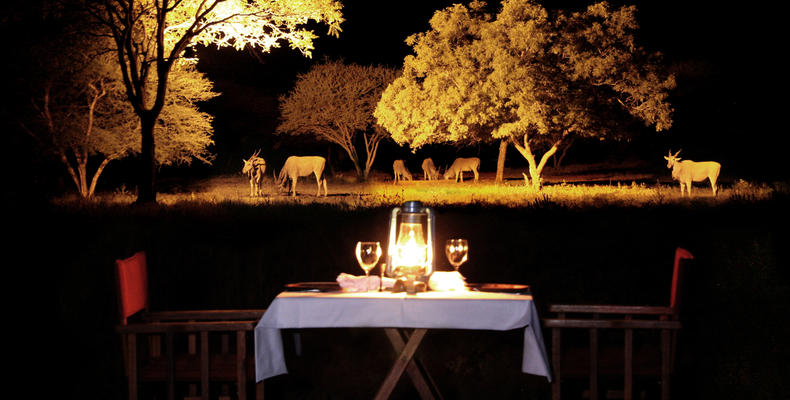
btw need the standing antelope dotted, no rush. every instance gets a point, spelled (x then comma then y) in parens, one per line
(254, 167)
(296, 166)
(400, 171)
(688, 171)
(460, 165)
(429, 171)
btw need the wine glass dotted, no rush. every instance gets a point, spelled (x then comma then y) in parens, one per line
(457, 251)
(368, 254)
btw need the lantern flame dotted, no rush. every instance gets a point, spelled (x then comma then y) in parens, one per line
(411, 250)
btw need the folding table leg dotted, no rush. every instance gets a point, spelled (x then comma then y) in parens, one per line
(403, 362)
(419, 375)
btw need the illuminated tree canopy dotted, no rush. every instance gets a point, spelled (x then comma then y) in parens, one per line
(527, 77)
(81, 112)
(334, 102)
(151, 36)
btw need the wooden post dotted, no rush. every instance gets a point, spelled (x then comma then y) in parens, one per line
(171, 379)
(204, 364)
(131, 347)
(556, 354)
(666, 363)
(241, 364)
(629, 360)
(594, 363)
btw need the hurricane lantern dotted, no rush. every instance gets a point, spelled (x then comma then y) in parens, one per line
(410, 248)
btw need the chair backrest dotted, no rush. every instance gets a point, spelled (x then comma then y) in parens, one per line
(677, 278)
(132, 277)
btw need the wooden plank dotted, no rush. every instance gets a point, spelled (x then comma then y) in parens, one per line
(259, 391)
(205, 315)
(400, 364)
(556, 356)
(609, 309)
(155, 345)
(610, 323)
(241, 364)
(204, 364)
(171, 384)
(666, 363)
(224, 346)
(425, 386)
(182, 327)
(594, 360)
(131, 346)
(629, 363)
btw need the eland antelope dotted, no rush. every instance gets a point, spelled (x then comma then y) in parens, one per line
(688, 171)
(429, 171)
(460, 165)
(254, 167)
(296, 166)
(400, 171)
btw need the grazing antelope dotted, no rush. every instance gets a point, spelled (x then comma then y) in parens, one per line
(400, 171)
(254, 167)
(688, 171)
(296, 166)
(460, 165)
(429, 171)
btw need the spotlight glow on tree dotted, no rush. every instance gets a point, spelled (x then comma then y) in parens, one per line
(150, 36)
(525, 76)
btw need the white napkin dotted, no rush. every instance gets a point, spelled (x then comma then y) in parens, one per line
(447, 281)
(352, 283)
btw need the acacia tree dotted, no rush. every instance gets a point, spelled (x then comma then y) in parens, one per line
(334, 102)
(525, 77)
(151, 36)
(78, 109)
(81, 115)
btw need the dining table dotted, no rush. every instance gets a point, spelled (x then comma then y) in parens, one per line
(405, 318)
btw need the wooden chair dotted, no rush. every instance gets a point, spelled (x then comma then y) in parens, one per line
(594, 360)
(183, 332)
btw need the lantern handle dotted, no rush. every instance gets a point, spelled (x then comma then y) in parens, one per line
(431, 239)
(392, 238)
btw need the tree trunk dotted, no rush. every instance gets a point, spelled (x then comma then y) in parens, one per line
(535, 169)
(361, 172)
(72, 173)
(82, 171)
(146, 189)
(371, 148)
(559, 157)
(96, 175)
(500, 162)
(329, 160)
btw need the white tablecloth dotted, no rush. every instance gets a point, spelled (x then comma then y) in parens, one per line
(440, 310)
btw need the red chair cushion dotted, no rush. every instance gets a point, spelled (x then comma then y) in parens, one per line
(133, 284)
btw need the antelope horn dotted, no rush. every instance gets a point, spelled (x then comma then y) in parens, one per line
(676, 154)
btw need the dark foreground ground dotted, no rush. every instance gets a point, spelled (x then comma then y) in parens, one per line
(733, 344)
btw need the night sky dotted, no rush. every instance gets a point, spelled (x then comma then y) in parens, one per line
(726, 60)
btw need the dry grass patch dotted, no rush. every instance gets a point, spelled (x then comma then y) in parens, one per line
(346, 193)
